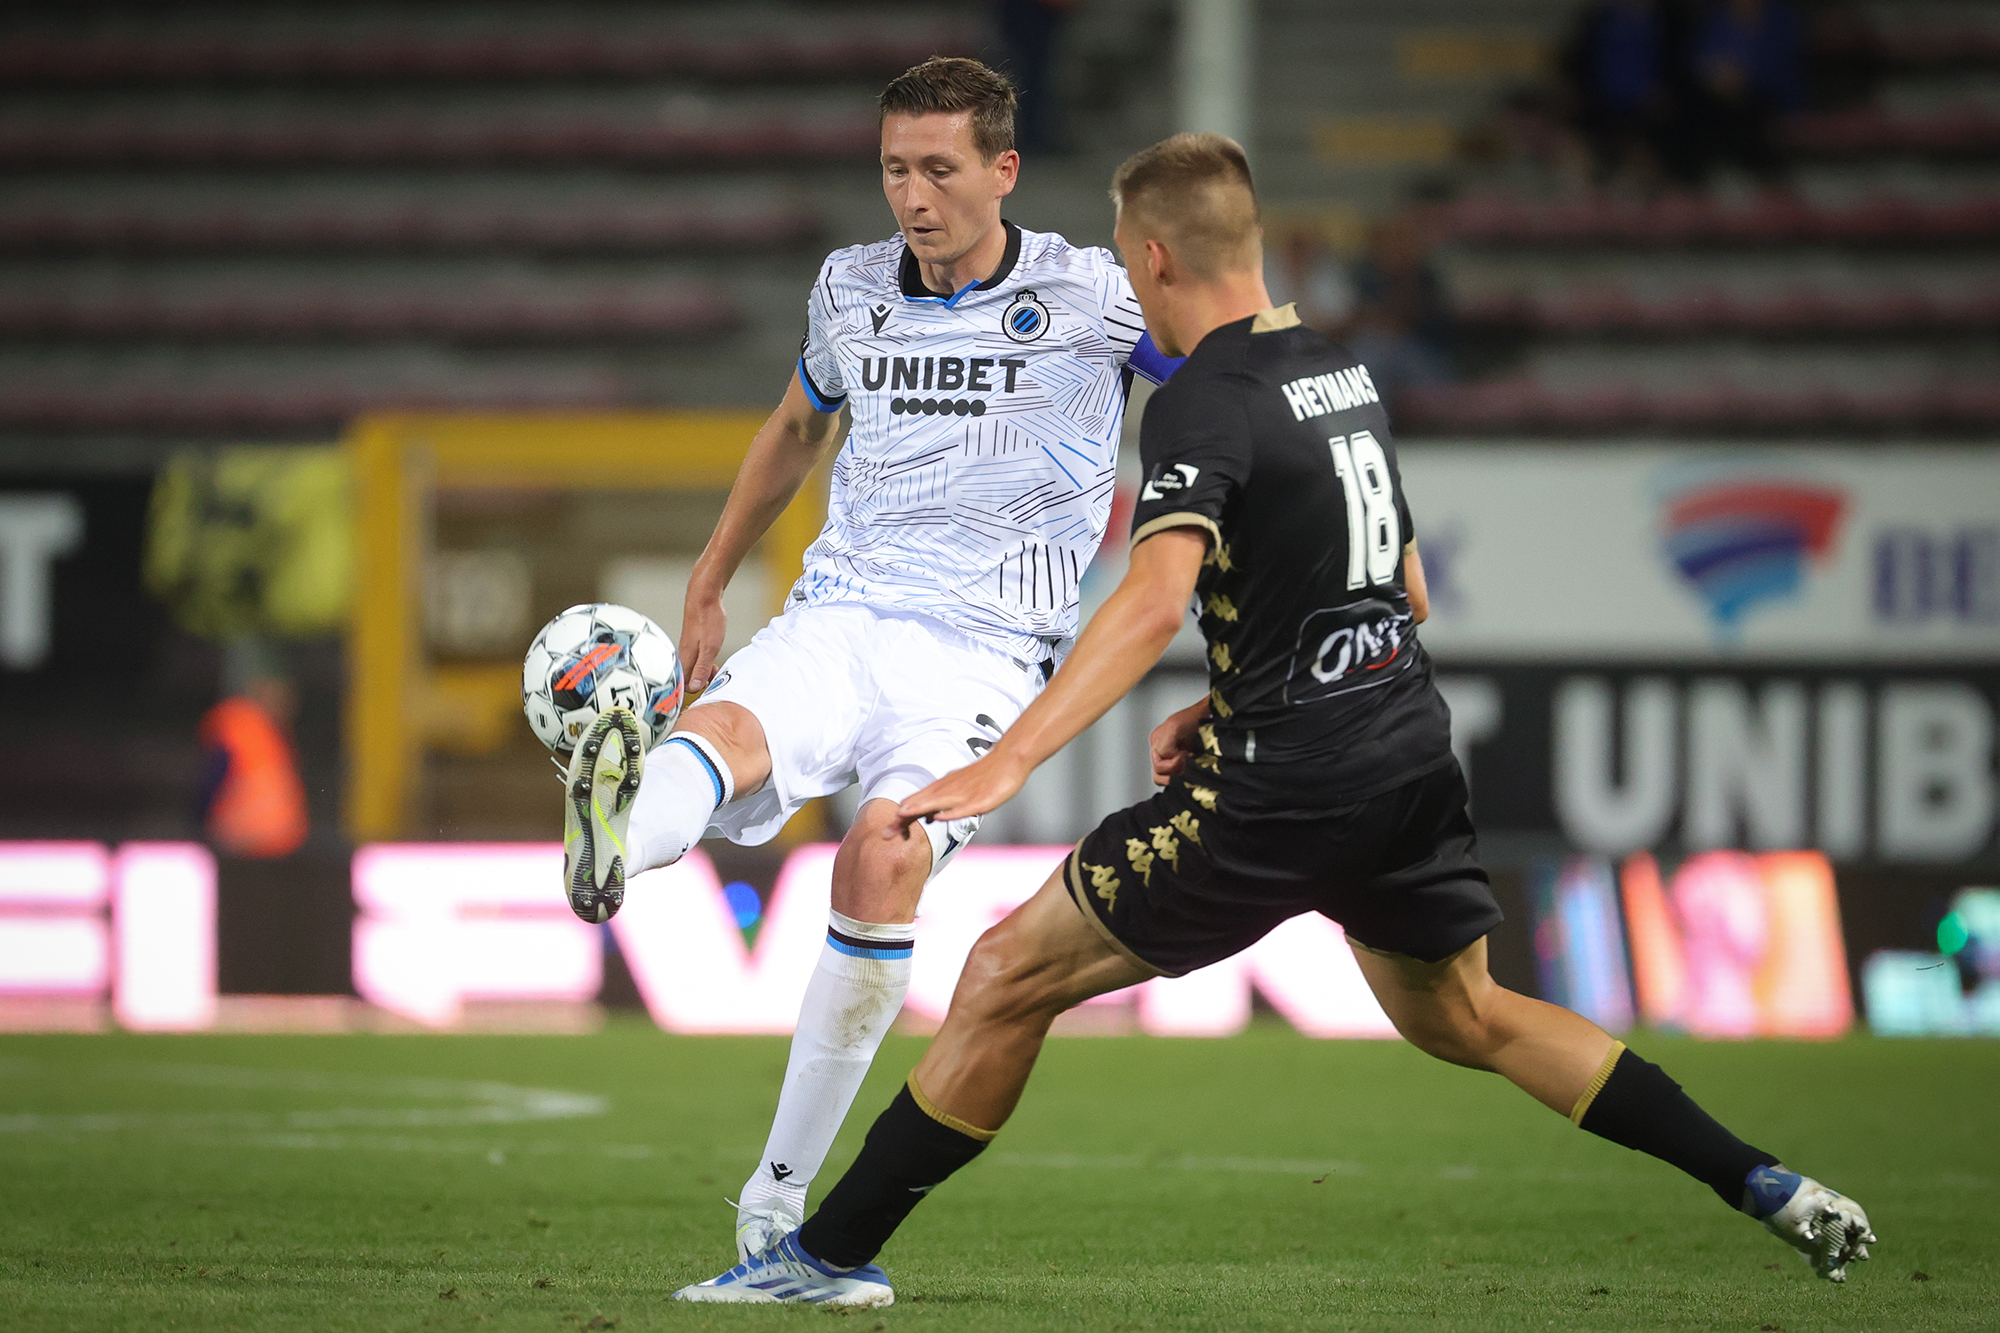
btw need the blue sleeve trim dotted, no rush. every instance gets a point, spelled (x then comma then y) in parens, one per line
(1149, 361)
(820, 402)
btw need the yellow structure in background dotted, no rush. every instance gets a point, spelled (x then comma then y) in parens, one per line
(398, 703)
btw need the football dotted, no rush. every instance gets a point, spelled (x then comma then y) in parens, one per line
(593, 657)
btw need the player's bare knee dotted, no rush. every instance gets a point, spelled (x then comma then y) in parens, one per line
(735, 731)
(880, 871)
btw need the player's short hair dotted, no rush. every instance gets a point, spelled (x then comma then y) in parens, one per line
(1194, 192)
(946, 85)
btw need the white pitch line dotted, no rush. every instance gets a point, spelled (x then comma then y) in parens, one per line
(399, 1143)
(492, 1103)
(1064, 1161)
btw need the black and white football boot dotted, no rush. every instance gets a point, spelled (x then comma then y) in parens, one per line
(598, 789)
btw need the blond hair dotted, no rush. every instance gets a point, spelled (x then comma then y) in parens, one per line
(1194, 192)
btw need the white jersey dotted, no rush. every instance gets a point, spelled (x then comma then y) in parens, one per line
(976, 480)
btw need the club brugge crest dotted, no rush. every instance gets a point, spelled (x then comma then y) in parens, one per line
(1027, 319)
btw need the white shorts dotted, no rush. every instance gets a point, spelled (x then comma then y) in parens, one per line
(849, 693)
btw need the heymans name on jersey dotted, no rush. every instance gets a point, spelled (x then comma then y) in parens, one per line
(1335, 391)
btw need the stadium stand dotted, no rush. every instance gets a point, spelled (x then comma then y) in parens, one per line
(262, 301)
(751, 42)
(207, 216)
(259, 131)
(618, 204)
(241, 392)
(246, 220)
(1854, 290)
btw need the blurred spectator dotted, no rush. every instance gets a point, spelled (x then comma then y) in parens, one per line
(1625, 69)
(1030, 31)
(1748, 70)
(253, 804)
(1530, 145)
(1300, 269)
(1402, 330)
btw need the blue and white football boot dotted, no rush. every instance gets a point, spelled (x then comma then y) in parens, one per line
(598, 789)
(1824, 1225)
(785, 1274)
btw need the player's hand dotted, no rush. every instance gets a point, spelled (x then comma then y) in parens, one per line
(1175, 739)
(987, 783)
(703, 623)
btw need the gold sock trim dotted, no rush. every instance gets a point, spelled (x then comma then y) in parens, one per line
(1590, 1090)
(949, 1121)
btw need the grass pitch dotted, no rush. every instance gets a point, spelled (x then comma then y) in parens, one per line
(1267, 1182)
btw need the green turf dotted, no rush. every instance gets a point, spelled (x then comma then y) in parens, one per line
(1266, 1182)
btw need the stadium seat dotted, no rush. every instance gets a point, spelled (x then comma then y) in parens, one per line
(1522, 405)
(1718, 297)
(1770, 220)
(315, 393)
(486, 306)
(769, 45)
(1964, 128)
(337, 217)
(685, 131)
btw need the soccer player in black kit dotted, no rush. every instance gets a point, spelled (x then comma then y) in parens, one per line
(1316, 776)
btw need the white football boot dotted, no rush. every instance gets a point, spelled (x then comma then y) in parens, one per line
(598, 788)
(784, 1274)
(758, 1229)
(1824, 1225)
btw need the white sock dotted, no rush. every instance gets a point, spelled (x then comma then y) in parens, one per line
(685, 779)
(855, 994)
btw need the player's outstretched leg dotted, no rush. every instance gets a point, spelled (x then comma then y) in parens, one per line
(1453, 1010)
(854, 996)
(603, 777)
(687, 777)
(1041, 960)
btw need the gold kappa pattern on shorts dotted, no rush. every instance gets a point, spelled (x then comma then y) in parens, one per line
(1216, 701)
(1209, 743)
(1105, 883)
(1218, 555)
(1203, 796)
(1141, 858)
(1221, 607)
(1187, 826)
(1209, 762)
(1167, 845)
(1218, 653)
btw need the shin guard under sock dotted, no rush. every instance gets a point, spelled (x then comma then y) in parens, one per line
(910, 1150)
(1633, 1103)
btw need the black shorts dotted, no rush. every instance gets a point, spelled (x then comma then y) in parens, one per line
(1184, 879)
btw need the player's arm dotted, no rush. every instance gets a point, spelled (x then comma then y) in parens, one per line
(1414, 587)
(1115, 651)
(781, 457)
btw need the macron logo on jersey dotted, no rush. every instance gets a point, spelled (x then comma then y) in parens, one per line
(1335, 391)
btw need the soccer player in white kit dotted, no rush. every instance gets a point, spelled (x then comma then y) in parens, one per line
(986, 369)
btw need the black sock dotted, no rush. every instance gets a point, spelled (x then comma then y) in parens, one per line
(1632, 1102)
(909, 1151)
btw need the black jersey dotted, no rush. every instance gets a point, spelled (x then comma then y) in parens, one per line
(1273, 439)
